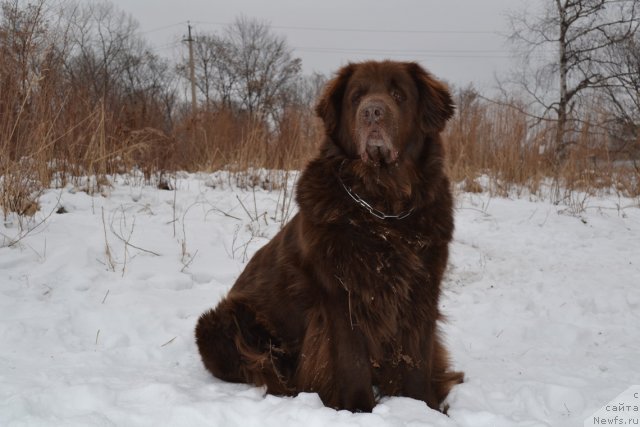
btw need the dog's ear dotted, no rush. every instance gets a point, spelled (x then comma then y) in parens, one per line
(330, 104)
(435, 103)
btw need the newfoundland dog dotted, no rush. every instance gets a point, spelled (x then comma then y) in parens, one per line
(343, 301)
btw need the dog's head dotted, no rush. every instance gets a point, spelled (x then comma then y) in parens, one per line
(375, 110)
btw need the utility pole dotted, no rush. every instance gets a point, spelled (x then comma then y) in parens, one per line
(192, 71)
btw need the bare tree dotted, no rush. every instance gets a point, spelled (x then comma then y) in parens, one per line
(204, 57)
(215, 72)
(565, 49)
(247, 67)
(624, 95)
(104, 42)
(19, 29)
(264, 65)
(109, 63)
(23, 42)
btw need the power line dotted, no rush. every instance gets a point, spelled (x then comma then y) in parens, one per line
(433, 53)
(407, 51)
(417, 55)
(164, 27)
(362, 30)
(436, 53)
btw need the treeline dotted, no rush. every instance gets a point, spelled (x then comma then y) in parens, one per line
(82, 93)
(82, 87)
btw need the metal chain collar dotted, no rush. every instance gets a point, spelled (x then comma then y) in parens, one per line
(373, 211)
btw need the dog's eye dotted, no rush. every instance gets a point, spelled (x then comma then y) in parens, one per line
(397, 95)
(356, 96)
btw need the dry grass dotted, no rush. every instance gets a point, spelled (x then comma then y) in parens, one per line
(61, 125)
(224, 140)
(490, 147)
(497, 147)
(48, 141)
(52, 134)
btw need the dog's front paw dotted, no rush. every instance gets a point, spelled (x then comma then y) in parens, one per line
(358, 400)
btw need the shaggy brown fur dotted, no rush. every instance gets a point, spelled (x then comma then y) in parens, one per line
(342, 300)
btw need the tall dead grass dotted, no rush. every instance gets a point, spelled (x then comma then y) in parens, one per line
(48, 140)
(53, 135)
(236, 142)
(496, 146)
(62, 122)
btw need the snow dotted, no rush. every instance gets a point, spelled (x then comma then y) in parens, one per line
(543, 307)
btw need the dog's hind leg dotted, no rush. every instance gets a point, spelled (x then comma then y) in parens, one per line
(235, 346)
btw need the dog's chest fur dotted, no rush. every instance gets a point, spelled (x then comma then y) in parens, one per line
(382, 273)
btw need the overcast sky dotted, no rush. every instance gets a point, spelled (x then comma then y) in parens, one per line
(461, 41)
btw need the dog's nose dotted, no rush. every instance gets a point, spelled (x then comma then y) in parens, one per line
(373, 112)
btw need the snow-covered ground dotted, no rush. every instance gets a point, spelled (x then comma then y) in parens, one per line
(98, 306)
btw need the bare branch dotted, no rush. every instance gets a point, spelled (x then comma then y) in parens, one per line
(585, 33)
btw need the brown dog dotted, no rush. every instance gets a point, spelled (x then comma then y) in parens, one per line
(345, 297)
